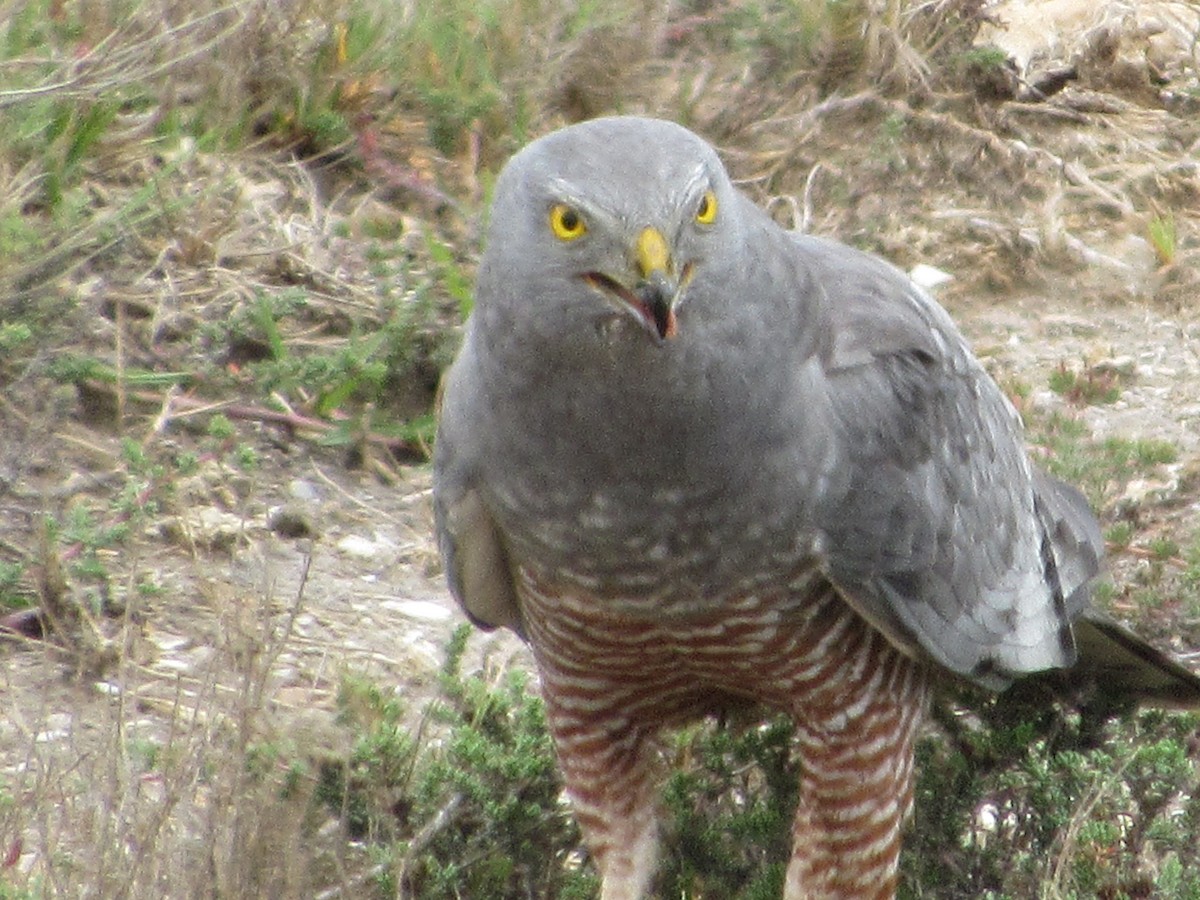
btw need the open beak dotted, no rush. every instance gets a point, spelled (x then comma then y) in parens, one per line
(653, 297)
(658, 286)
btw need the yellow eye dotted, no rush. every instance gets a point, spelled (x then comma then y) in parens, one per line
(566, 223)
(706, 213)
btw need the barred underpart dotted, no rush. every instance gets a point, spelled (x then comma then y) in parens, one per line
(612, 681)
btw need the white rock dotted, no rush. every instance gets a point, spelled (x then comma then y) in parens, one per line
(303, 490)
(58, 726)
(167, 642)
(358, 546)
(929, 277)
(423, 610)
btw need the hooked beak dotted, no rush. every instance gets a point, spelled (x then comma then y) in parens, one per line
(658, 287)
(657, 290)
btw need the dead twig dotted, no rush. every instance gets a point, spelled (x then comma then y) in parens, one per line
(179, 405)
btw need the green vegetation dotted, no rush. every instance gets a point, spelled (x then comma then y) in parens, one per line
(1015, 794)
(11, 597)
(985, 57)
(475, 812)
(234, 237)
(1099, 468)
(460, 49)
(1119, 534)
(731, 807)
(1164, 239)
(1022, 798)
(122, 131)
(1087, 388)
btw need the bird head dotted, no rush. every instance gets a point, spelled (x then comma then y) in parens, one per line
(603, 227)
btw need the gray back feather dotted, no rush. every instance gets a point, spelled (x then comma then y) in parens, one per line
(815, 408)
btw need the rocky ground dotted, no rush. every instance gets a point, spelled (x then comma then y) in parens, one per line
(239, 600)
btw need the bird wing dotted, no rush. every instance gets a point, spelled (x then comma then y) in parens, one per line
(934, 523)
(476, 559)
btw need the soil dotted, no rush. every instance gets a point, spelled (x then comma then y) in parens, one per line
(1038, 210)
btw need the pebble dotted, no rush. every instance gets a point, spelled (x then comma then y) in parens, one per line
(299, 489)
(58, 726)
(167, 642)
(364, 548)
(929, 277)
(423, 610)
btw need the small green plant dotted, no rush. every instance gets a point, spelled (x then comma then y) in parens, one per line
(1119, 534)
(13, 335)
(265, 315)
(1163, 238)
(71, 134)
(11, 596)
(1190, 576)
(187, 462)
(450, 274)
(146, 484)
(145, 753)
(369, 790)
(1021, 794)
(73, 369)
(889, 142)
(1142, 453)
(20, 238)
(148, 586)
(245, 457)
(220, 428)
(1097, 467)
(83, 530)
(772, 35)
(419, 431)
(1086, 388)
(455, 47)
(473, 71)
(1163, 548)
(985, 57)
(13, 893)
(377, 374)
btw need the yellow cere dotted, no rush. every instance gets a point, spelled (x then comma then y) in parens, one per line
(566, 223)
(707, 213)
(653, 254)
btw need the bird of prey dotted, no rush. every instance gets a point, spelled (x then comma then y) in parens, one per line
(698, 461)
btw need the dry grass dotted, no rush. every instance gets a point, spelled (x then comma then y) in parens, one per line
(273, 209)
(171, 787)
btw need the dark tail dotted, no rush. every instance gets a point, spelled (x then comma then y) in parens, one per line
(1124, 668)
(1115, 666)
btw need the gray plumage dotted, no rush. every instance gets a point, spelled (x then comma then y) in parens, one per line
(699, 461)
(814, 407)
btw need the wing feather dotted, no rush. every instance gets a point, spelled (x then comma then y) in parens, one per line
(939, 534)
(477, 562)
